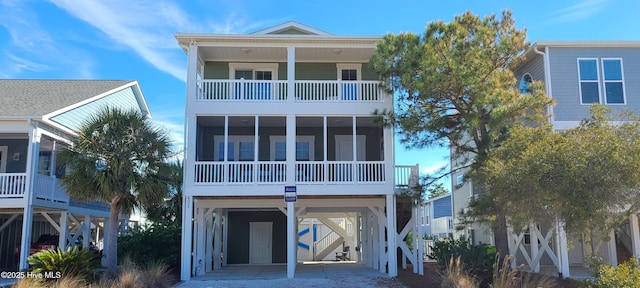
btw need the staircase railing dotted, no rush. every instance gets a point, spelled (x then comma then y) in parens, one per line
(324, 242)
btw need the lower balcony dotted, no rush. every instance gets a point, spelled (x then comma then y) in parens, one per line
(306, 172)
(45, 188)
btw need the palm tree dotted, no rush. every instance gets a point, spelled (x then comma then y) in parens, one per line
(169, 212)
(118, 158)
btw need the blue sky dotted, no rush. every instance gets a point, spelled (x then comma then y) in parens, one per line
(126, 39)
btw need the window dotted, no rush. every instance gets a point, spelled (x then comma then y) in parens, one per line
(304, 148)
(589, 82)
(525, 84)
(613, 81)
(241, 148)
(349, 72)
(459, 179)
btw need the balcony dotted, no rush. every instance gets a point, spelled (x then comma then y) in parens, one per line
(277, 91)
(307, 172)
(46, 188)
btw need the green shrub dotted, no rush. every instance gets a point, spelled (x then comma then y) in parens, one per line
(477, 259)
(74, 262)
(156, 243)
(627, 275)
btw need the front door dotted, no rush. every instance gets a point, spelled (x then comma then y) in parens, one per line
(576, 254)
(260, 242)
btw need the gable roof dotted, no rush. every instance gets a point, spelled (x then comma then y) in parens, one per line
(41, 97)
(291, 27)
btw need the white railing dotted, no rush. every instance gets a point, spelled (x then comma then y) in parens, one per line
(325, 242)
(12, 185)
(427, 249)
(49, 188)
(441, 225)
(274, 172)
(242, 90)
(338, 91)
(406, 176)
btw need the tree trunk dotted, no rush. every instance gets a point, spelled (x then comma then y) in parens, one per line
(112, 240)
(501, 237)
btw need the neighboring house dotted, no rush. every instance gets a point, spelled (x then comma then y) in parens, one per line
(39, 118)
(437, 217)
(576, 75)
(286, 109)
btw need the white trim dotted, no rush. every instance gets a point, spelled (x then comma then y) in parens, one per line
(290, 25)
(605, 81)
(280, 138)
(273, 67)
(349, 66)
(597, 81)
(4, 151)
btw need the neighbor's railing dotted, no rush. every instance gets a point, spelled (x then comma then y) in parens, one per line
(12, 185)
(242, 90)
(49, 188)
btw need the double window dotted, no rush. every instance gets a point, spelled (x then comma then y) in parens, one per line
(606, 73)
(304, 148)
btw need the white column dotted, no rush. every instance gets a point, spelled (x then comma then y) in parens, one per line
(291, 74)
(357, 242)
(209, 245)
(291, 149)
(382, 245)
(192, 73)
(420, 244)
(635, 235)
(562, 251)
(312, 235)
(86, 231)
(198, 258)
(533, 239)
(64, 230)
(291, 239)
(375, 243)
(217, 240)
(392, 235)
(187, 237)
(27, 220)
(105, 240)
(366, 230)
(613, 255)
(191, 123)
(225, 235)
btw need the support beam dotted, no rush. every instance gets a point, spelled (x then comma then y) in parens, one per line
(225, 235)
(382, 245)
(86, 231)
(25, 244)
(198, 258)
(64, 231)
(6, 224)
(217, 240)
(635, 235)
(209, 230)
(533, 242)
(392, 232)
(376, 251)
(563, 254)
(613, 255)
(187, 237)
(420, 241)
(292, 246)
(105, 240)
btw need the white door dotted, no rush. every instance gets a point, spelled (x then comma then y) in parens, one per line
(3, 159)
(344, 147)
(260, 242)
(576, 254)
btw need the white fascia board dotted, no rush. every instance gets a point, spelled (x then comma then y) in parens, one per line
(588, 44)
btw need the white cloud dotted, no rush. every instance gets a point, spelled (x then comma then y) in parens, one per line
(579, 11)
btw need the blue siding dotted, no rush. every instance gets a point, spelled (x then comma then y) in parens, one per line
(74, 118)
(564, 79)
(442, 207)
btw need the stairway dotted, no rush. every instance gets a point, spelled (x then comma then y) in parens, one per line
(326, 245)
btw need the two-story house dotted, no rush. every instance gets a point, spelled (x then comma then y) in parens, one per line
(575, 74)
(279, 129)
(37, 119)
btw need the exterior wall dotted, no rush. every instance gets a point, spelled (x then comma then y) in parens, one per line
(304, 71)
(534, 66)
(20, 146)
(238, 238)
(565, 82)
(442, 207)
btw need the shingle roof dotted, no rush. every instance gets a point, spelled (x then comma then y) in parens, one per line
(40, 97)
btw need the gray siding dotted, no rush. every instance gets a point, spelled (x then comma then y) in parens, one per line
(533, 66)
(565, 82)
(442, 207)
(238, 247)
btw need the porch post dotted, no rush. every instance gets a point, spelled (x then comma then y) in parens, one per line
(217, 239)
(392, 235)
(382, 244)
(613, 255)
(25, 243)
(420, 241)
(64, 230)
(209, 245)
(357, 238)
(291, 74)
(225, 230)
(561, 248)
(375, 243)
(635, 235)
(291, 240)
(534, 246)
(187, 230)
(366, 229)
(105, 240)
(198, 259)
(86, 231)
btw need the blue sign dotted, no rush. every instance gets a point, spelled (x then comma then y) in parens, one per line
(290, 194)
